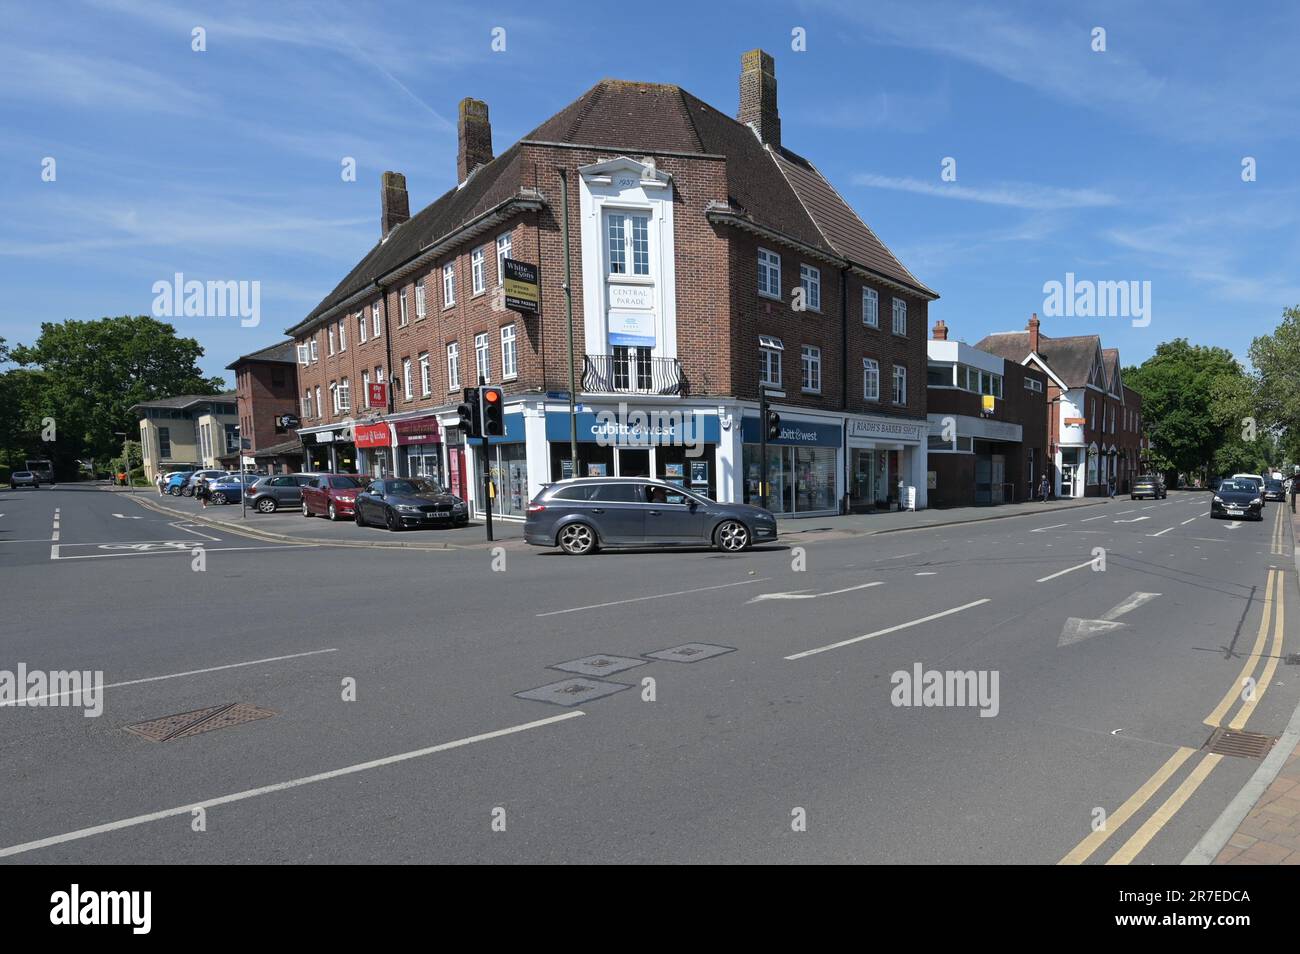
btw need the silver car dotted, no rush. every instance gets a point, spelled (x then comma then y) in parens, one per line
(582, 515)
(279, 490)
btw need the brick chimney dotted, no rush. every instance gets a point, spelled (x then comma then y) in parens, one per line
(940, 331)
(758, 96)
(1033, 332)
(474, 134)
(394, 203)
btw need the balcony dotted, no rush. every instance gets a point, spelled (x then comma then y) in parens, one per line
(631, 371)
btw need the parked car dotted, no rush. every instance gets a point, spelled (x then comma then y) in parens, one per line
(1273, 489)
(176, 482)
(192, 482)
(230, 488)
(1148, 485)
(331, 495)
(24, 478)
(1239, 498)
(279, 490)
(1257, 478)
(400, 502)
(584, 514)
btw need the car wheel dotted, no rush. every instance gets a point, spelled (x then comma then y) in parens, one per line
(333, 514)
(218, 498)
(266, 505)
(731, 536)
(391, 521)
(305, 511)
(577, 539)
(356, 516)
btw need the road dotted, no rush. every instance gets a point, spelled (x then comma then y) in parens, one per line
(1108, 684)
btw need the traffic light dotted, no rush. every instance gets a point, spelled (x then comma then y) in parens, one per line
(492, 415)
(773, 425)
(468, 412)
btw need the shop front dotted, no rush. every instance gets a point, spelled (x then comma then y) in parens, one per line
(419, 443)
(374, 449)
(802, 466)
(882, 454)
(506, 459)
(677, 446)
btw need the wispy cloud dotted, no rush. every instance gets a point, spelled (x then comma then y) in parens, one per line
(1019, 195)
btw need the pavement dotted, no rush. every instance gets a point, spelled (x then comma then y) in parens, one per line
(321, 703)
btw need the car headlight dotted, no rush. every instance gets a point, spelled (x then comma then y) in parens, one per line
(1257, 500)
(460, 505)
(408, 508)
(1218, 499)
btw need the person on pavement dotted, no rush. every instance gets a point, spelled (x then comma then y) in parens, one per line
(160, 481)
(1295, 485)
(1042, 489)
(203, 492)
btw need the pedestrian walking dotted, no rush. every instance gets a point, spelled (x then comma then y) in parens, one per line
(203, 492)
(160, 482)
(1112, 488)
(1295, 485)
(1042, 489)
(121, 478)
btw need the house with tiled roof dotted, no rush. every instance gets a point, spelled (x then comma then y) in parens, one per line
(684, 259)
(266, 389)
(1094, 422)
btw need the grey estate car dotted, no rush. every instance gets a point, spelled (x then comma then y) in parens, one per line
(584, 514)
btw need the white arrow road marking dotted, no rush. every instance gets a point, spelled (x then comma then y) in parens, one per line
(1133, 520)
(1234, 525)
(122, 516)
(1161, 533)
(804, 595)
(1076, 630)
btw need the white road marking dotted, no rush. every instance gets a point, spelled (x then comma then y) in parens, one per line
(1129, 605)
(1122, 512)
(891, 629)
(175, 675)
(1076, 630)
(186, 549)
(54, 535)
(657, 596)
(1189, 520)
(33, 540)
(1133, 520)
(187, 529)
(1063, 572)
(1052, 527)
(280, 786)
(801, 595)
(1161, 533)
(122, 516)
(927, 573)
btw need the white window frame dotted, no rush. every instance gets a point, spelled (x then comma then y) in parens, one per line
(334, 396)
(361, 326)
(330, 334)
(900, 317)
(320, 408)
(345, 395)
(769, 360)
(477, 270)
(509, 353)
(870, 316)
(365, 388)
(870, 375)
(810, 279)
(406, 378)
(403, 310)
(811, 367)
(453, 366)
(426, 374)
(343, 335)
(769, 274)
(482, 358)
(900, 385)
(628, 217)
(505, 248)
(315, 351)
(420, 310)
(304, 354)
(448, 285)
(377, 319)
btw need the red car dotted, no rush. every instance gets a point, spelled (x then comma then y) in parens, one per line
(330, 495)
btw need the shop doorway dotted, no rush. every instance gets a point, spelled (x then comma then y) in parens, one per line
(633, 462)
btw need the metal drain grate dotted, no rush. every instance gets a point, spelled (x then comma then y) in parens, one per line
(1242, 745)
(1292, 659)
(185, 724)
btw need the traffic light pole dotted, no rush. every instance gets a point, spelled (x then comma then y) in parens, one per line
(487, 489)
(762, 446)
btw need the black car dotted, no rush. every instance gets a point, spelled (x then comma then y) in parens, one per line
(1149, 485)
(1273, 489)
(582, 515)
(1238, 499)
(400, 502)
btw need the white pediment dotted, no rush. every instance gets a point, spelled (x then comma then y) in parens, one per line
(610, 171)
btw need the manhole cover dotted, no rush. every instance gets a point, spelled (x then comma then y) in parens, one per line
(184, 724)
(599, 665)
(690, 652)
(572, 692)
(1244, 745)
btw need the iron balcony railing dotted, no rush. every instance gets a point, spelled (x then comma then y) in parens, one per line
(631, 372)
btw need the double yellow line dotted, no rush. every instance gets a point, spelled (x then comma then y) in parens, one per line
(1279, 531)
(1246, 690)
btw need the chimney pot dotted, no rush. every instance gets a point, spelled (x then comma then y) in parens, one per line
(1033, 332)
(758, 96)
(474, 137)
(394, 203)
(940, 331)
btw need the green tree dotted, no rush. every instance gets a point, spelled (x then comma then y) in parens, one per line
(89, 374)
(1276, 358)
(1194, 400)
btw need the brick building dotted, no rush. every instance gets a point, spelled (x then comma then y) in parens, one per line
(988, 425)
(266, 389)
(705, 257)
(1095, 430)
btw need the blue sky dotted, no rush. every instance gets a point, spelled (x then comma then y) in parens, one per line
(1123, 165)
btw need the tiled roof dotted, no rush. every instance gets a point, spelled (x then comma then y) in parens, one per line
(278, 450)
(185, 400)
(280, 353)
(1069, 358)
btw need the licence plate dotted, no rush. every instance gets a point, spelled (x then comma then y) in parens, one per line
(1235, 511)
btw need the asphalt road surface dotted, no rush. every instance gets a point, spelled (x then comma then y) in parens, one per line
(782, 744)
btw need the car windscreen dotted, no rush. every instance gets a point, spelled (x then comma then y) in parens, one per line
(344, 483)
(1233, 486)
(401, 487)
